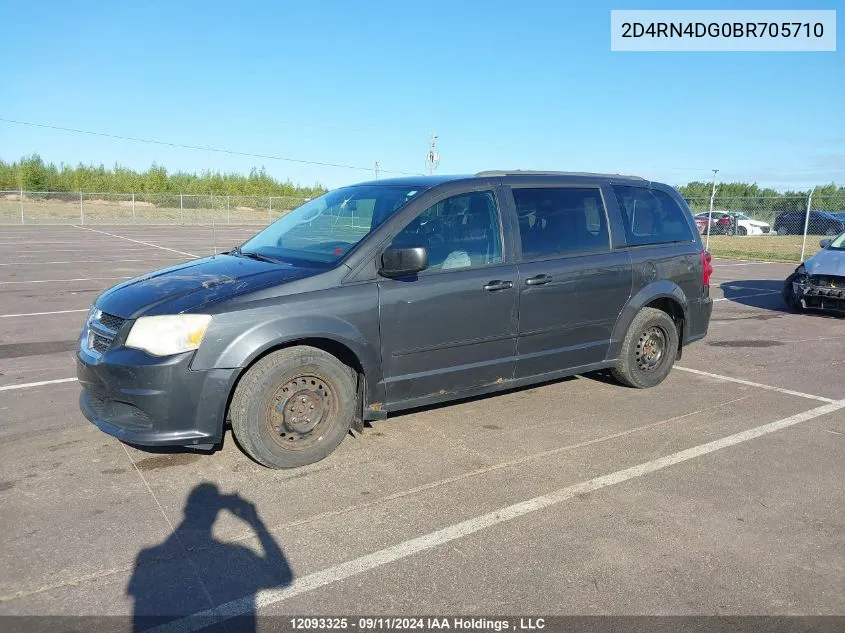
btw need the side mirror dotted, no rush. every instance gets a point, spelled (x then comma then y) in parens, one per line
(825, 242)
(398, 262)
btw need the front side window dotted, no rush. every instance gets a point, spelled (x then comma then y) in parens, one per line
(651, 216)
(459, 232)
(557, 221)
(322, 231)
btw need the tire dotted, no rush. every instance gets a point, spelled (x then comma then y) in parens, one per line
(274, 402)
(782, 231)
(789, 297)
(635, 368)
(742, 231)
(831, 232)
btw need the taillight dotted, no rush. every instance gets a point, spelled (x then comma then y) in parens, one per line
(706, 268)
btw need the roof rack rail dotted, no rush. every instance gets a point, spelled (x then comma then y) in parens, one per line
(528, 172)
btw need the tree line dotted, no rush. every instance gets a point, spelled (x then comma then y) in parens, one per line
(31, 173)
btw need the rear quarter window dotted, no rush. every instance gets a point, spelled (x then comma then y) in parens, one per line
(651, 216)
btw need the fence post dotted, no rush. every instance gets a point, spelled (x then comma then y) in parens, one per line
(807, 222)
(22, 222)
(710, 213)
(81, 212)
(181, 210)
(133, 208)
(212, 210)
(227, 208)
(270, 210)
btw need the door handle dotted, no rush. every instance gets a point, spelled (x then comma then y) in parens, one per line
(498, 285)
(539, 280)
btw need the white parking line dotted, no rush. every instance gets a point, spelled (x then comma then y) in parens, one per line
(48, 281)
(29, 314)
(27, 385)
(748, 383)
(81, 250)
(755, 294)
(129, 239)
(388, 555)
(91, 261)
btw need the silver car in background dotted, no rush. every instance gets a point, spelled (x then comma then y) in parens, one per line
(819, 283)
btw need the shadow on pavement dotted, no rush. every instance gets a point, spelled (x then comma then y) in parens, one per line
(191, 571)
(764, 294)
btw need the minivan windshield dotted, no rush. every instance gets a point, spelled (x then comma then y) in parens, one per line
(323, 230)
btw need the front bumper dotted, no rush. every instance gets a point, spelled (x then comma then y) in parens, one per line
(816, 297)
(149, 401)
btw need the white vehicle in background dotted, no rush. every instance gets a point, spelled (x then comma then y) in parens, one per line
(749, 226)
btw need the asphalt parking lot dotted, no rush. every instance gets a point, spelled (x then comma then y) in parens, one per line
(719, 492)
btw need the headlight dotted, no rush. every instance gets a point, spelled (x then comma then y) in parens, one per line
(169, 334)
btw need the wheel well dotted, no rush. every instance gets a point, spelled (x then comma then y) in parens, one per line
(338, 350)
(674, 310)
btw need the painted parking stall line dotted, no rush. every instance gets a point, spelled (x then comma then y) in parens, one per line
(748, 383)
(40, 383)
(129, 239)
(31, 314)
(51, 281)
(388, 555)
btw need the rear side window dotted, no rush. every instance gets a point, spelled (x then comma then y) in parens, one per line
(559, 221)
(651, 216)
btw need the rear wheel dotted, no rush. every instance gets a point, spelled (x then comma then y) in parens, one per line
(648, 351)
(293, 407)
(782, 231)
(742, 231)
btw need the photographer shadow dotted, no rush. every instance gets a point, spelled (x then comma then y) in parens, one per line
(191, 573)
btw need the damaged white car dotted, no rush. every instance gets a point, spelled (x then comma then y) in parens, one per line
(819, 283)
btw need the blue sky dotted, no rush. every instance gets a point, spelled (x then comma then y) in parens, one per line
(529, 85)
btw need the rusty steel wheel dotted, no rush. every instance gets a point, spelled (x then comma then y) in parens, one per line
(651, 348)
(299, 411)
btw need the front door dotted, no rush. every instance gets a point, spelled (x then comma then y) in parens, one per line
(572, 285)
(452, 327)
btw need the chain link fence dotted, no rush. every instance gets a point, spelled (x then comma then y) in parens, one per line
(45, 207)
(780, 228)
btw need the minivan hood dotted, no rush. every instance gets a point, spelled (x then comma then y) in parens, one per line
(826, 262)
(196, 283)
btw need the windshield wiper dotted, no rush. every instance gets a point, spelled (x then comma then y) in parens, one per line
(253, 255)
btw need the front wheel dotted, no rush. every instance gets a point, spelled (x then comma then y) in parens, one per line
(792, 302)
(648, 351)
(293, 407)
(742, 231)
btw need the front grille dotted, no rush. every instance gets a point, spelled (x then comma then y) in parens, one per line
(110, 321)
(100, 343)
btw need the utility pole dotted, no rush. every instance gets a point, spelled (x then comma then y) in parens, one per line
(432, 159)
(710, 214)
(377, 167)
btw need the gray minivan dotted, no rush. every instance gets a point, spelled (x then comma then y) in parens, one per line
(394, 294)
